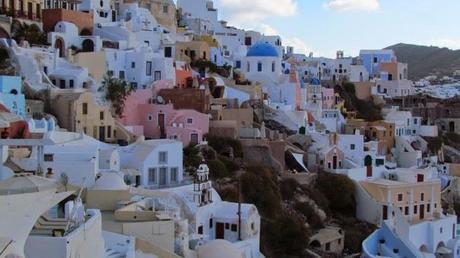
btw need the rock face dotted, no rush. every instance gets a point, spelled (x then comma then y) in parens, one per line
(260, 154)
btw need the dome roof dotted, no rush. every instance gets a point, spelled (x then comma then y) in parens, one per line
(315, 81)
(263, 49)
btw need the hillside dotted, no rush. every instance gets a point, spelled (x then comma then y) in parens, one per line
(426, 60)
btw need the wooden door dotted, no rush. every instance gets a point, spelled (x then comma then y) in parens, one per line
(220, 231)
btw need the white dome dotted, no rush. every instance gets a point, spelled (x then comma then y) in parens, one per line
(219, 248)
(110, 181)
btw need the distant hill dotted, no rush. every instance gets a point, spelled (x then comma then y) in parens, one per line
(425, 60)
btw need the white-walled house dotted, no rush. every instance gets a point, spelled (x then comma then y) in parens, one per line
(158, 162)
(74, 157)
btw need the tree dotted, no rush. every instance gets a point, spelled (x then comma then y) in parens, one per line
(116, 91)
(29, 32)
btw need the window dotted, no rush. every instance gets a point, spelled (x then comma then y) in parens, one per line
(238, 64)
(133, 65)
(253, 227)
(328, 246)
(101, 115)
(157, 76)
(174, 174)
(62, 84)
(163, 157)
(121, 74)
(110, 73)
(428, 208)
(415, 209)
(152, 175)
(134, 85)
(168, 52)
(227, 226)
(200, 230)
(148, 68)
(406, 210)
(376, 60)
(48, 157)
(150, 118)
(45, 70)
(273, 67)
(189, 121)
(440, 230)
(165, 9)
(248, 67)
(400, 197)
(352, 146)
(84, 129)
(85, 108)
(422, 197)
(259, 66)
(211, 223)
(234, 228)
(71, 82)
(109, 131)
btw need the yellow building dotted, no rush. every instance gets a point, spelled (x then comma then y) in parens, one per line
(94, 61)
(79, 112)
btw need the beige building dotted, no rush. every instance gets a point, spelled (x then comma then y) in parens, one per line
(94, 61)
(164, 12)
(79, 112)
(193, 50)
(329, 239)
(413, 191)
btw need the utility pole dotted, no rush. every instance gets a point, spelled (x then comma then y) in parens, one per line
(239, 208)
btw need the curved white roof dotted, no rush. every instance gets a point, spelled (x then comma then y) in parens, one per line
(110, 181)
(24, 183)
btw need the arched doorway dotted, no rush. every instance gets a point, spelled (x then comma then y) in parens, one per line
(59, 44)
(87, 45)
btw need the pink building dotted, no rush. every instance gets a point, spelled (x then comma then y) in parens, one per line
(328, 98)
(143, 116)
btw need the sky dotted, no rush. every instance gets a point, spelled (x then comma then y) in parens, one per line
(325, 26)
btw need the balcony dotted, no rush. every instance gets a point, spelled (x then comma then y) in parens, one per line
(18, 14)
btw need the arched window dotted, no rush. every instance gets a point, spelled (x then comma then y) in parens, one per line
(273, 66)
(259, 66)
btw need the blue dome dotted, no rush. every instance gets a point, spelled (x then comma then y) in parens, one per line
(263, 49)
(315, 81)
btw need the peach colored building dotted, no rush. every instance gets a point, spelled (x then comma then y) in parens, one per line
(380, 131)
(160, 121)
(184, 78)
(328, 98)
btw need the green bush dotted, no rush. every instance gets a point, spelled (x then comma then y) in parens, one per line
(339, 191)
(217, 169)
(312, 217)
(231, 165)
(221, 143)
(192, 158)
(259, 186)
(288, 188)
(285, 236)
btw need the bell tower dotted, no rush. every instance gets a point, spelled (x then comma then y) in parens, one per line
(202, 193)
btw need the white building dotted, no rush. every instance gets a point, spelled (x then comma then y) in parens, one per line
(158, 162)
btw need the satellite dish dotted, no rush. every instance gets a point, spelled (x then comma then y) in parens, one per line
(160, 100)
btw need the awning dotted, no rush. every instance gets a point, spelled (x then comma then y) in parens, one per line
(443, 250)
(299, 158)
